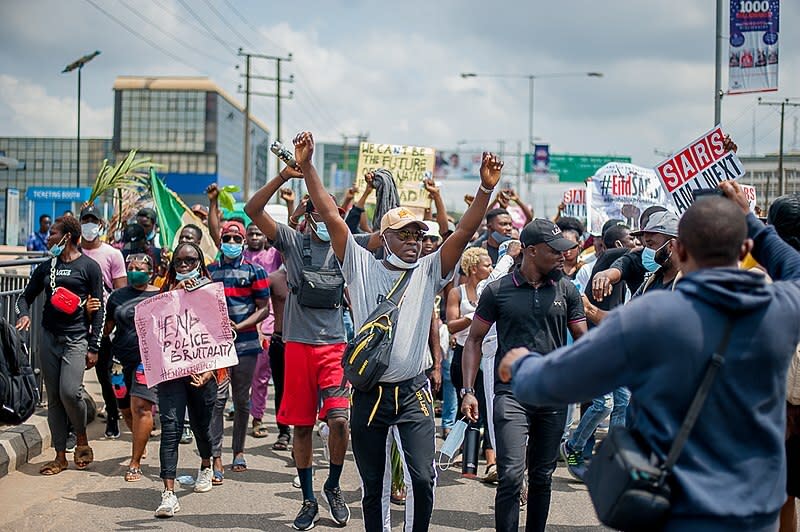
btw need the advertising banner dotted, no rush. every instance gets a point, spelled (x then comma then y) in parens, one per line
(409, 166)
(702, 164)
(753, 51)
(623, 191)
(184, 333)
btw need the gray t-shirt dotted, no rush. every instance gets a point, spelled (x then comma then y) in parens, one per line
(314, 326)
(367, 279)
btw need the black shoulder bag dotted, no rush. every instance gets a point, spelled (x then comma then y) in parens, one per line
(367, 355)
(320, 287)
(19, 394)
(629, 492)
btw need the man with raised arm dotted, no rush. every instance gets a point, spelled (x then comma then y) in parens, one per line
(402, 400)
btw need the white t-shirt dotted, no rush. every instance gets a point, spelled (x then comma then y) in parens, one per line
(367, 279)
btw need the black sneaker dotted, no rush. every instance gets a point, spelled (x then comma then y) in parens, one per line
(338, 508)
(72, 441)
(112, 428)
(307, 517)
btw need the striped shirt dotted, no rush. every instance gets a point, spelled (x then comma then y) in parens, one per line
(244, 282)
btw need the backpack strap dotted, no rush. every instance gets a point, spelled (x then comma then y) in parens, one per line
(396, 293)
(307, 250)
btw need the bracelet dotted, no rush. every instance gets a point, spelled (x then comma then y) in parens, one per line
(295, 222)
(284, 179)
(486, 190)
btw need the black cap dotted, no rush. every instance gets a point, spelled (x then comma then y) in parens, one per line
(544, 231)
(134, 233)
(90, 210)
(148, 213)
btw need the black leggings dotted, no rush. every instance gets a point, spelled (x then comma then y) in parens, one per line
(277, 365)
(457, 377)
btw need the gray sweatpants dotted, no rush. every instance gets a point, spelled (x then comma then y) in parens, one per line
(63, 363)
(241, 378)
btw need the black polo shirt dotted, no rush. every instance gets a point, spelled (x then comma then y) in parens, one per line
(530, 317)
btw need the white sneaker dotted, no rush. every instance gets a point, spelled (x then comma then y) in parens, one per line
(203, 483)
(324, 432)
(169, 504)
(296, 481)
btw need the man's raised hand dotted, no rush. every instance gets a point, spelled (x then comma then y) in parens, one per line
(303, 147)
(491, 167)
(287, 194)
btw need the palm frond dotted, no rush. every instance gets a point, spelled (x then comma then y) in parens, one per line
(128, 173)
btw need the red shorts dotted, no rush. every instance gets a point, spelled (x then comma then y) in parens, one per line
(312, 372)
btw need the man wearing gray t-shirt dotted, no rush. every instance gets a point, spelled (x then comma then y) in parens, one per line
(401, 400)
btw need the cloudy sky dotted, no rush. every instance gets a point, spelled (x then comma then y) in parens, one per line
(392, 70)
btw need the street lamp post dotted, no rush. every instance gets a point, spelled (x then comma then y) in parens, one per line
(531, 78)
(78, 64)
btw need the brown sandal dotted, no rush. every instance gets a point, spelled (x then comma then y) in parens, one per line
(133, 474)
(83, 456)
(53, 467)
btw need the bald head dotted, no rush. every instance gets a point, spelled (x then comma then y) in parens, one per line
(712, 231)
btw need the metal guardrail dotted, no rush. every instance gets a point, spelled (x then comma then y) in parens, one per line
(12, 285)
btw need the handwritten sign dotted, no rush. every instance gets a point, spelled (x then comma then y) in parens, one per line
(622, 191)
(184, 333)
(575, 203)
(702, 164)
(409, 166)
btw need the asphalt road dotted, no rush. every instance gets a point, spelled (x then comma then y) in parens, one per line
(262, 498)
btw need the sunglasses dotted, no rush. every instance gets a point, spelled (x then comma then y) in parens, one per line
(407, 234)
(189, 261)
(138, 257)
(232, 238)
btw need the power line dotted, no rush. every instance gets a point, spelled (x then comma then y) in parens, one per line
(206, 26)
(193, 48)
(253, 28)
(142, 37)
(228, 24)
(184, 19)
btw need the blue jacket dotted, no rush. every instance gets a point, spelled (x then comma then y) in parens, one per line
(659, 346)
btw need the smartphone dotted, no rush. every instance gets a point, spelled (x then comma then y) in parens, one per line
(284, 154)
(699, 193)
(202, 281)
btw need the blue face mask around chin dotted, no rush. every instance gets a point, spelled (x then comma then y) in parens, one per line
(151, 235)
(231, 250)
(321, 230)
(194, 274)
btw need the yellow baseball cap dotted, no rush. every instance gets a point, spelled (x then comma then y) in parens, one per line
(400, 217)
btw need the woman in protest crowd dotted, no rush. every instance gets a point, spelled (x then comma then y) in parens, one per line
(70, 337)
(195, 393)
(134, 399)
(461, 302)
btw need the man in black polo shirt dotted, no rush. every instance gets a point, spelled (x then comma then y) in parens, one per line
(532, 306)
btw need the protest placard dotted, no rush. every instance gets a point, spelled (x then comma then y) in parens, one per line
(409, 166)
(750, 192)
(622, 191)
(702, 164)
(184, 333)
(574, 201)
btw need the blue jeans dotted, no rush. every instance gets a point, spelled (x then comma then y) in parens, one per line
(601, 407)
(622, 396)
(449, 397)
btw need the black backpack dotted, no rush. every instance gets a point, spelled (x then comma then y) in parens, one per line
(18, 392)
(367, 355)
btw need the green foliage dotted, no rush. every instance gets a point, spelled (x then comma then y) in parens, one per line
(226, 199)
(128, 173)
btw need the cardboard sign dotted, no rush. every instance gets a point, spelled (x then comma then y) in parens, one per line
(750, 192)
(622, 191)
(575, 203)
(409, 166)
(184, 333)
(703, 164)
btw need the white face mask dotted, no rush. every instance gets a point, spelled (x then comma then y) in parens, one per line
(396, 261)
(90, 231)
(452, 444)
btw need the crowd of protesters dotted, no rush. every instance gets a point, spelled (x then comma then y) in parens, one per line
(535, 336)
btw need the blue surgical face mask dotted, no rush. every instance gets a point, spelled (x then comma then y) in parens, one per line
(452, 444)
(649, 258)
(194, 274)
(58, 249)
(151, 235)
(321, 230)
(396, 261)
(231, 250)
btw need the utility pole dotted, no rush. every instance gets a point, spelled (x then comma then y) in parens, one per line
(719, 44)
(781, 176)
(278, 95)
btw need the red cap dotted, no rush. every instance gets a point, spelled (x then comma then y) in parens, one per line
(232, 227)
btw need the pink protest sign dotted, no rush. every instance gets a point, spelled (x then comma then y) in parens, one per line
(183, 333)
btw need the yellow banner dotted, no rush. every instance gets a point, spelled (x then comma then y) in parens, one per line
(409, 166)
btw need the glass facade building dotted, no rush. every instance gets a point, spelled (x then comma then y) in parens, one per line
(191, 127)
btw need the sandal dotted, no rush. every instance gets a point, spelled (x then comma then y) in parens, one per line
(239, 464)
(282, 443)
(83, 456)
(53, 467)
(133, 474)
(259, 430)
(218, 478)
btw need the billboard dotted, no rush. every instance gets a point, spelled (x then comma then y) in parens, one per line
(753, 50)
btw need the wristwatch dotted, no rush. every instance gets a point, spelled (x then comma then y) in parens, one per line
(465, 391)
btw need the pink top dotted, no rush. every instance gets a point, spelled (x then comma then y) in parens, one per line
(270, 260)
(111, 262)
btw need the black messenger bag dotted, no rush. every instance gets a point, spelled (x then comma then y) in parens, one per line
(319, 287)
(627, 490)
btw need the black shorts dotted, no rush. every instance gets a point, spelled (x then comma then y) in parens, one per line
(136, 386)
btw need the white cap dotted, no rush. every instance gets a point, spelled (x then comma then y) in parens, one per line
(433, 229)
